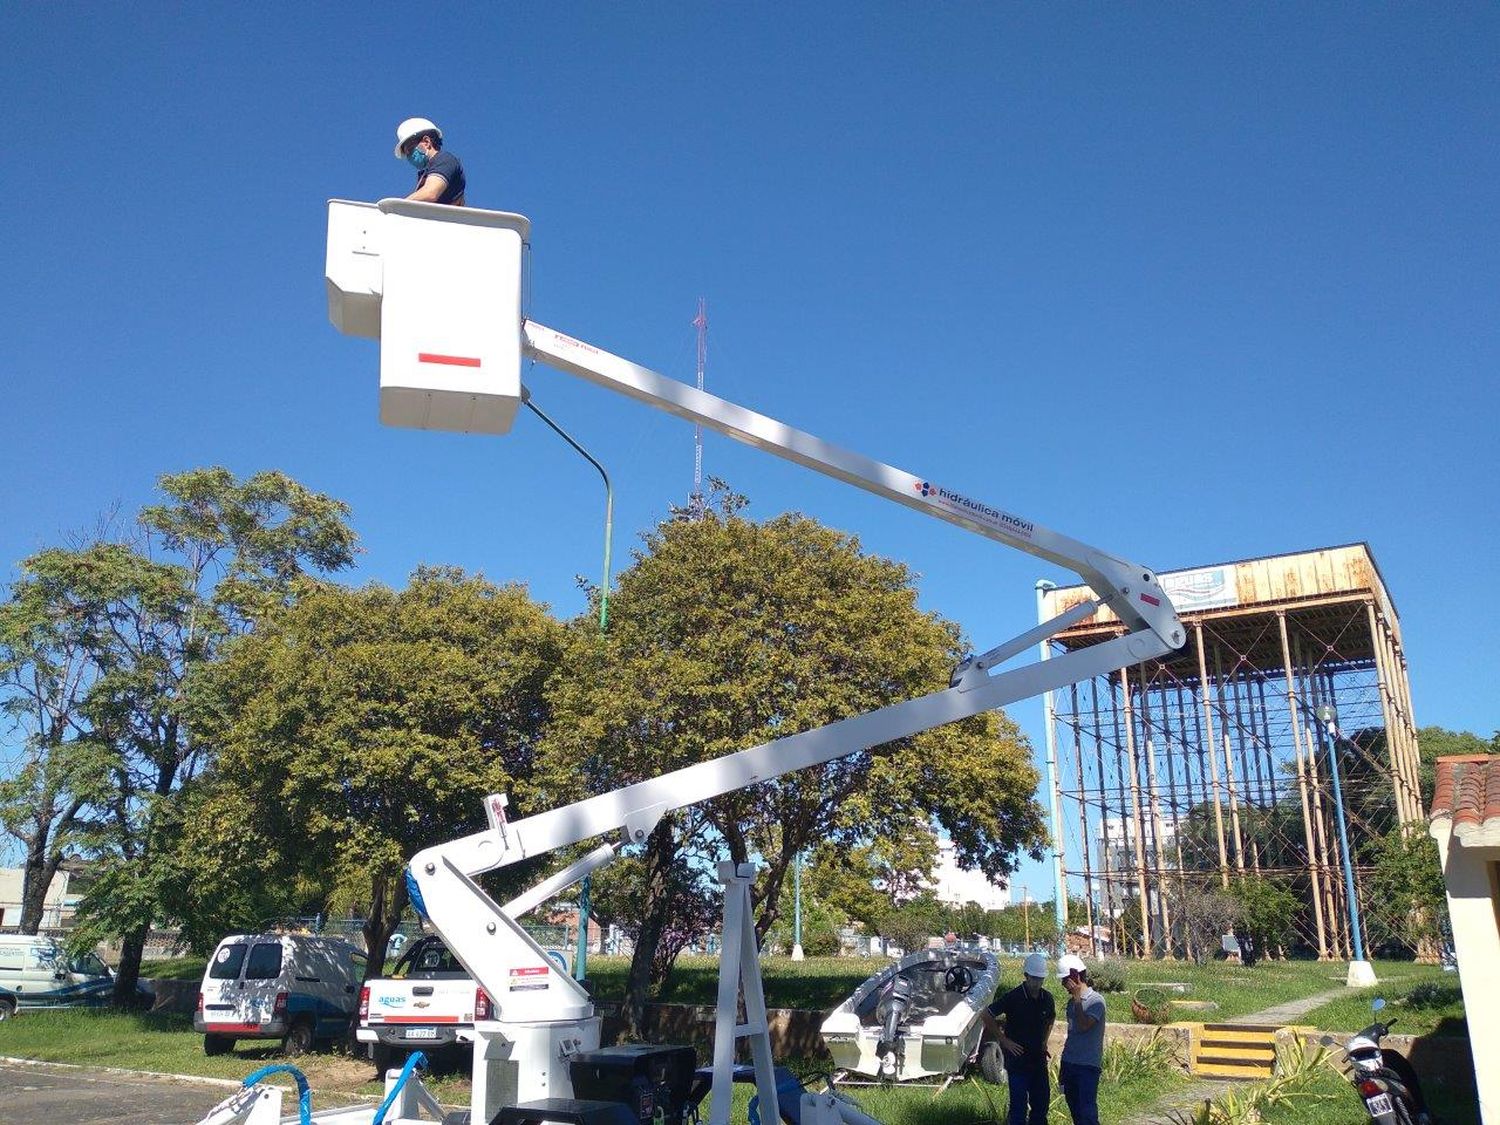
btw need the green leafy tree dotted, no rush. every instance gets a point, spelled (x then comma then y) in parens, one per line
(132, 615)
(725, 633)
(1406, 894)
(357, 727)
(1268, 911)
(910, 924)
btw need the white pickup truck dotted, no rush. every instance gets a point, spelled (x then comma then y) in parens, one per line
(428, 1003)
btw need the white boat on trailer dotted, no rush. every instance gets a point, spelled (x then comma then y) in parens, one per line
(919, 1018)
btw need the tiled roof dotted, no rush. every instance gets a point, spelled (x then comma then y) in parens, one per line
(1467, 796)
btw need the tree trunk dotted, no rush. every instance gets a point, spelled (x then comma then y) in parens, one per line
(37, 880)
(661, 853)
(132, 949)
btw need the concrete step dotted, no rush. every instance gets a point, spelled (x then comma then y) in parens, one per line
(1261, 1056)
(1221, 1070)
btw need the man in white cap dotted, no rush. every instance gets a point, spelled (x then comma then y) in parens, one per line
(1029, 1013)
(440, 175)
(1083, 1050)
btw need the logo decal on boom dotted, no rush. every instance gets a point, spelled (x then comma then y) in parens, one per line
(976, 509)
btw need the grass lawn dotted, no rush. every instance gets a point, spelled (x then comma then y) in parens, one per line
(1426, 1007)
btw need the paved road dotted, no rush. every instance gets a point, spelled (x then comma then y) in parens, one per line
(51, 1095)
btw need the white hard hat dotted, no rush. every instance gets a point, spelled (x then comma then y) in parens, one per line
(1035, 965)
(1070, 963)
(414, 127)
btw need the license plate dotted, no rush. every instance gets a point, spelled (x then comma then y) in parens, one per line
(1379, 1104)
(421, 1033)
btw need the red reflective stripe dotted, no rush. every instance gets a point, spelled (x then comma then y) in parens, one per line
(210, 1025)
(450, 360)
(1149, 600)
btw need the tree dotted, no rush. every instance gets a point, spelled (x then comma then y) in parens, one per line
(1268, 911)
(725, 633)
(60, 767)
(1205, 913)
(1406, 893)
(142, 610)
(357, 727)
(910, 924)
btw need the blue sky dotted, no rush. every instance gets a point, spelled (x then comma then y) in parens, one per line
(1191, 283)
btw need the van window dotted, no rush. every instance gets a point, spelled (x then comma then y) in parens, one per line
(43, 957)
(227, 962)
(265, 961)
(89, 965)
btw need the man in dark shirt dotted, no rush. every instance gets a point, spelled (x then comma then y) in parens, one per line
(440, 175)
(1028, 1012)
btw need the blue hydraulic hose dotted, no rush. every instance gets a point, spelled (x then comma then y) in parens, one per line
(304, 1091)
(413, 1060)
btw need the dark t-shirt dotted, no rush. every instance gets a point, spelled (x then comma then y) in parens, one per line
(448, 166)
(1027, 1021)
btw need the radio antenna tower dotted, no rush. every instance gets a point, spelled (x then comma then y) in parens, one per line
(700, 322)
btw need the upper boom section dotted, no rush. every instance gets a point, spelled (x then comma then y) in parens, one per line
(440, 287)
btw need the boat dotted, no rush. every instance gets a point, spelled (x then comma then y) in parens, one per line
(918, 1018)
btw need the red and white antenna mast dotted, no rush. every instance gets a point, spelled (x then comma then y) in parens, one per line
(700, 322)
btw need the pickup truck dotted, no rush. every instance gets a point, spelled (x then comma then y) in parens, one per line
(428, 1003)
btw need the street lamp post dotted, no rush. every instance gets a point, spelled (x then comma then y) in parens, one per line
(797, 953)
(1026, 914)
(581, 958)
(1361, 972)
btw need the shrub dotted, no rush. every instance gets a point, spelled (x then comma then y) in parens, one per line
(1107, 976)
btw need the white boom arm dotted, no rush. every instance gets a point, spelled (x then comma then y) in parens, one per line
(440, 287)
(473, 924)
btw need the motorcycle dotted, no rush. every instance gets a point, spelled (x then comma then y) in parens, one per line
(1385, 1081)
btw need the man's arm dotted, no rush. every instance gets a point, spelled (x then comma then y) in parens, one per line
(1082, 1020)
(431, 190)
(993, 1026)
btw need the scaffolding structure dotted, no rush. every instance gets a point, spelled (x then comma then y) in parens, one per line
(1212, 764)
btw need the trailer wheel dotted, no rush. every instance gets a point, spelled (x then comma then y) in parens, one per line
(217, 1044)
(992, 1063)
(299, 1039)
(7, 1008)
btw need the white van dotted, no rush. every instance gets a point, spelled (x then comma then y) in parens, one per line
(37, 972)
(299, 988)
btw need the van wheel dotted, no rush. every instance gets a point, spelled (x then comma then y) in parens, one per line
(217, 1044)
(299, 1039)
(7, 1008)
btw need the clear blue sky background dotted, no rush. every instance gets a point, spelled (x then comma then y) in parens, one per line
(1191, 283)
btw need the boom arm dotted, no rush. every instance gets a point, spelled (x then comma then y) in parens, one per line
(440, 287)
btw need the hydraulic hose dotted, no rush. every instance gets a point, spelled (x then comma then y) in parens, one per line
(304, 1091)
(413, 1060)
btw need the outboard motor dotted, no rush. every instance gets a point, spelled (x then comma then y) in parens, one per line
(894, 1006)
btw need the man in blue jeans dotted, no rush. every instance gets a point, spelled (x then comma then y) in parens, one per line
(1083, 1050)
(1029, 1013)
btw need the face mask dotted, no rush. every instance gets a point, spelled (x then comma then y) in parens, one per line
(417, 159)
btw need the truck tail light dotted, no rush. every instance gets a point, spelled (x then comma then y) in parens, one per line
(200, 1003)
(481, 1004)
(279, 1008)
(364, 1003)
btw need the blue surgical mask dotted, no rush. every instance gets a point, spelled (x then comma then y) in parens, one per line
(417, 159)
